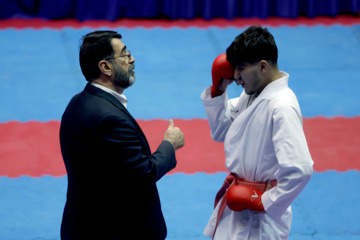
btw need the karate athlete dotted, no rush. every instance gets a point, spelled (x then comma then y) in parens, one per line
(265, 146)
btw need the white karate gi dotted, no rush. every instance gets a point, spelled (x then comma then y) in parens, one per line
(263, 141)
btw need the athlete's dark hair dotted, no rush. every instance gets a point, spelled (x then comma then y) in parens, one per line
(253, 45)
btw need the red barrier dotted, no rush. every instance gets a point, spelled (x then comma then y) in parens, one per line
(181, 23)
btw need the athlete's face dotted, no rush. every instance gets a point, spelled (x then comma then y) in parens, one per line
(248, 76)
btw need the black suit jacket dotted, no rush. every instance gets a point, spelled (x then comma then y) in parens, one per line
(112, 174)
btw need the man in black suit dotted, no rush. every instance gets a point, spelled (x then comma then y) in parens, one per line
(112, 174)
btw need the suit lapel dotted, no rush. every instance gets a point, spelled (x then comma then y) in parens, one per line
(97, 91)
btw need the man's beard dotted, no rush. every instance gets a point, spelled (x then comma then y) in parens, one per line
(124, 79)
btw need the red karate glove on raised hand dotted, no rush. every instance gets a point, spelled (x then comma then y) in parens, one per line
(242, 197)
(221, 68)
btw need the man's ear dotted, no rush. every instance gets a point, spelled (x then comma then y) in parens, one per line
(105, 67)
(264, 66)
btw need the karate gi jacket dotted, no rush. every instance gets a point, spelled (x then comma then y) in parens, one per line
(112, 174)
(262, 142)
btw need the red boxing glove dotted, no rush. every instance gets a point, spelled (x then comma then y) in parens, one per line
(242, 197)
(221, 68)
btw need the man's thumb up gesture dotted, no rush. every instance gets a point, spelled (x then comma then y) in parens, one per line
(174, 136)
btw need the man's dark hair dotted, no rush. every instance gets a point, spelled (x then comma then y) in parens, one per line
(253, 45)
(95, 47)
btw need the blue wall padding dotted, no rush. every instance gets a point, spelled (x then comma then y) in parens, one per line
(189, 9)
(327, 209)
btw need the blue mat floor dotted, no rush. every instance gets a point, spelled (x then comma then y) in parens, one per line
(40, 73)
(328, 208)
(40, 70)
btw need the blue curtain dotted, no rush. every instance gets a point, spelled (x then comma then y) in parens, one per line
(174, 9)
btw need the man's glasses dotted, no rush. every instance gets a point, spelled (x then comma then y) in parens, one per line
(127, 54)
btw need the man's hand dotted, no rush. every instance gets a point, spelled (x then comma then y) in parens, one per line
(174, 136)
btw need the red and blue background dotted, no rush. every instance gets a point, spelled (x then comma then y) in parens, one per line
(39, 73)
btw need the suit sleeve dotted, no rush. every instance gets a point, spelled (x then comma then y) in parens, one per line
(126, 152)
